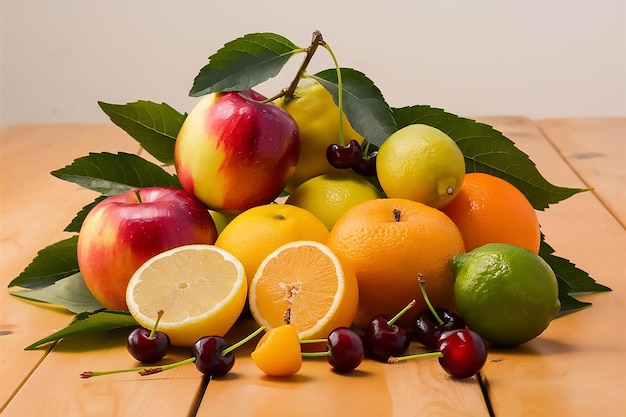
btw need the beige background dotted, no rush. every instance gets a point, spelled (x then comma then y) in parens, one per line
(539, 58)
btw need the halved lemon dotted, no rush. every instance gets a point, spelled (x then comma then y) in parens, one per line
(200, 288)
(305, 284)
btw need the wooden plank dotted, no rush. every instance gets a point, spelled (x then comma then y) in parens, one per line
(576, 367)
(596, 150)
(409, 388)
(34, 209)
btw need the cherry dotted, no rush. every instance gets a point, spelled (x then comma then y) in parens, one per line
(345, 349)
(429, 326)
(383, 338)
(366, 165)
(431, 322)
(461, 353)
(345, 156)
(148, 346)
(211, 354)
(464, 352)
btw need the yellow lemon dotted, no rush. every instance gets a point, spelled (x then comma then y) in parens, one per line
(420, 163)
(200, 288)
(317, 117)
(328, 196)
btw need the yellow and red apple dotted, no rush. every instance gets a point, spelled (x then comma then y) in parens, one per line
(234, 151)
(123, 231)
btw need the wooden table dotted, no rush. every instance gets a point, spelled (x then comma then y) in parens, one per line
(575, 368)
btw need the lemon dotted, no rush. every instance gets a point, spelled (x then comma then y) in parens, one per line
(505, 293)
(201, 289)
(328, 196)
(420, 163)
(256, 232)
(317, 117)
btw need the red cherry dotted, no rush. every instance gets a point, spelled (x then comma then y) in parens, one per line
(464, 352)
(346, 350)
(344, 157)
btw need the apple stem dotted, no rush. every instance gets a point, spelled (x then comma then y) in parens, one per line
(339, 91)
(156, 323)
(315, 42)
(422, 281)
(142, 370)
(138, 195)
(400, 313)
(243, 341)
(393, 359)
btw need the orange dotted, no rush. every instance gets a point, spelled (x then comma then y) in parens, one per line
(389, 242)
(489, 209)
(256, 232)
(200, 288)
(304, 284)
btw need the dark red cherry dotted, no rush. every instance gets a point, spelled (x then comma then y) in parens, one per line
(345, 156)
(383, 340)
(464, 352)
(346, 350)
(427, 328)
(210, 359)
(367, 165)
(147, 349)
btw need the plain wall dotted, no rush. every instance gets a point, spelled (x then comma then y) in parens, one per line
(538, 58)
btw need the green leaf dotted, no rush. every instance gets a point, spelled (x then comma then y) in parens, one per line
(77, 221)
(363, 103)
(577, 279)
(154, 126)
(70, 292)
(568, 303)
(487, 150)
(52, 263)
(112, 174)
(89, 322)
(244, 63)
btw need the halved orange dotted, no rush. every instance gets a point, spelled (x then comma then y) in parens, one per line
(200, 288)
(305, 282)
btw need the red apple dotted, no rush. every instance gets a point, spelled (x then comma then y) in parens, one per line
(123, 231)
(235, 152)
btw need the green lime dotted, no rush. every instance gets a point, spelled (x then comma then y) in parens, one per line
(505, 293)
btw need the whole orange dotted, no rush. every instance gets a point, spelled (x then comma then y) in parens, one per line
(389, 242)
(489, 209)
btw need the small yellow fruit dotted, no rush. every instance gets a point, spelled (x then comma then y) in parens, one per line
(329, 196)
(420, 163)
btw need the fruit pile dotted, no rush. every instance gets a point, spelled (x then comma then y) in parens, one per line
(320, 212)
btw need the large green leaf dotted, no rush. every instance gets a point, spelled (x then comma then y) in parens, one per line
(154, 126)
(70, 292)
(244, 63)
(52, 263)
(77, 221)
(111, 174)
(89, 322)
(487, 150)
(363, 103)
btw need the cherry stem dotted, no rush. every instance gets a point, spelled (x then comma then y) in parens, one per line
(400, 313)
(313, 341)
(315, 354)
(138, 195)
(422, 281)
(156, 323)
(142, 370)
(339, 91)
(393, 359)
(243, 341)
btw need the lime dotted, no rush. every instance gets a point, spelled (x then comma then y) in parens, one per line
(505, 293)
(328, 196)
(420, 163)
